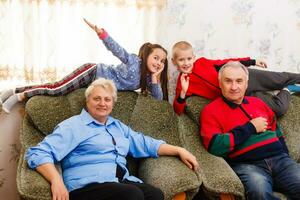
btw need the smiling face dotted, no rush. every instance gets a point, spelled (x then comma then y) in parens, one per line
(184, 60)
(156, 60)
(100, 103)
(233, 83)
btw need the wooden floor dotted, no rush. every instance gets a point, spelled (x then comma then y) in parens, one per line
(9, 151)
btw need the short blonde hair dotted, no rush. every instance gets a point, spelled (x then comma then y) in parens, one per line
(181, 45)
(103, 83)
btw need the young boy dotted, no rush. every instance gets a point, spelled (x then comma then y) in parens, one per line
(200, 78)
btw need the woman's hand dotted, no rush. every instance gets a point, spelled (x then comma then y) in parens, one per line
(188, 159)
(99, 31)
(59, 190)
(260, 63)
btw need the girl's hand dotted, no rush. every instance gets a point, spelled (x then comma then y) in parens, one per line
(260, 63)
(156, 75)
(185, 81)
(99, 31)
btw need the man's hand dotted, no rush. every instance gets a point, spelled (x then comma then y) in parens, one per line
(188, 159)
(58, 189)
(94, 27)
(260, 63)
(260, 124)
(185, 81)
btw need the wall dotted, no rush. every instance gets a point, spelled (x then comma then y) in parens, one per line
(9, 151)
(266, 29)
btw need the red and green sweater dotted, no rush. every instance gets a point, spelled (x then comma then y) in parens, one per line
(204, 80)
(226, 130)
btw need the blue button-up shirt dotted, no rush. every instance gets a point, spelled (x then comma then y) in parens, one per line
(89, 151)
(126, 75)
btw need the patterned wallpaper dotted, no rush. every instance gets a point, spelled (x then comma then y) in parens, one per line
(267, 29)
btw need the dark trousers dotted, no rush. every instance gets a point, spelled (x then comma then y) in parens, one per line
(126, 190)
(261, 81)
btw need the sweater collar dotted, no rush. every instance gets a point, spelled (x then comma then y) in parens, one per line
(232, 104)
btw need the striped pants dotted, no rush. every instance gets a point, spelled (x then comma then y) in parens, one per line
(81, 77)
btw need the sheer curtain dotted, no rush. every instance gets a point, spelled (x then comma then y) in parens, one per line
(42, 41)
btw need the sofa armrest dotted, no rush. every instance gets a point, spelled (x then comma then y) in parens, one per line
(170, 175)
(217, 176)
(31, 185)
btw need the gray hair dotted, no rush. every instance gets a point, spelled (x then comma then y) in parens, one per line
(103, 83)
(233, 64)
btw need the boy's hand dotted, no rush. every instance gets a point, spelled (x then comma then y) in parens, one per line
(260, 63)
(185, 81)
(99, 31)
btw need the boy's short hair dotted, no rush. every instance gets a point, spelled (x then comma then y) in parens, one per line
(182, 45)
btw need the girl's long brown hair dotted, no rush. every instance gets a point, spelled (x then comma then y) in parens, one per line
(145, 50)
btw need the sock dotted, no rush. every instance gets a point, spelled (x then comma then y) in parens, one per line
(9, 103)
(286, 89)
(294, 88)
(5, 95)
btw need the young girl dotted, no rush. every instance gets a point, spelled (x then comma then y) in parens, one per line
(147, 71)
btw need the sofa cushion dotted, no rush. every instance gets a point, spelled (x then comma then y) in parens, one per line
(155, 118)
(194, 106)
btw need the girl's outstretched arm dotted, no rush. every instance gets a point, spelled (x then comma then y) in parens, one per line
(94, 27)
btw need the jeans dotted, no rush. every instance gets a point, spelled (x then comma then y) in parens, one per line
(259, 178)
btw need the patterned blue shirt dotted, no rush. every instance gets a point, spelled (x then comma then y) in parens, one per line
(87, 152)
(126, 75)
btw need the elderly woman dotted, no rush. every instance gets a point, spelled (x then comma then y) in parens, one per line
(92, 148)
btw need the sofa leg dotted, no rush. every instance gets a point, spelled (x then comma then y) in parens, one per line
(227, 197)
(180, 196)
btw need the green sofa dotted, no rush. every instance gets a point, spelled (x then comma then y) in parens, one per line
(216, 175)
(215, 178)
(145, 114)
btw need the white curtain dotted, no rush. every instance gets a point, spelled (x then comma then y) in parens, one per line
(42, 41)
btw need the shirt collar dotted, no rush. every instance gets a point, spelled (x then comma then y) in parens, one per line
(88, 119)
(234, 105)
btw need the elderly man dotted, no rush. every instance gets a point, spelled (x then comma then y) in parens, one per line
(243, 130)
(92, 148)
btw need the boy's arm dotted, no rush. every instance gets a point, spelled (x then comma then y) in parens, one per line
(179, 102)
(247, 61)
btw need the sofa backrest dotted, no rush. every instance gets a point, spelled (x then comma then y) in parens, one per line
(290, 122)
(46, 112)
